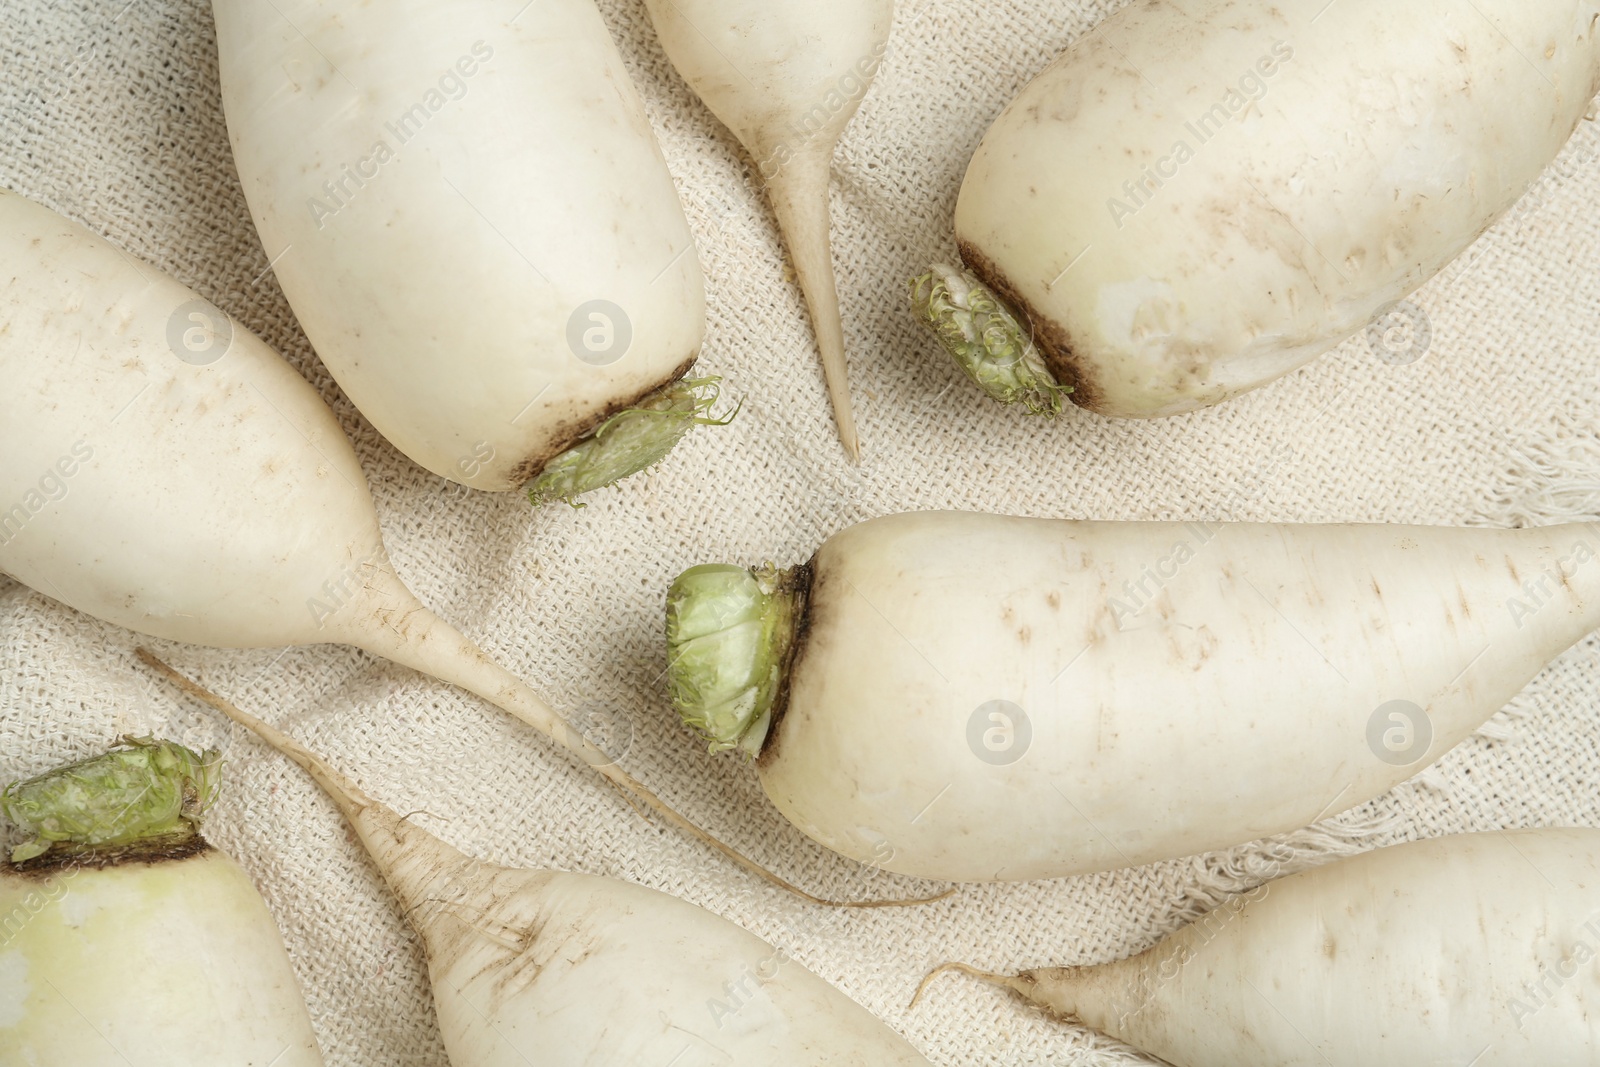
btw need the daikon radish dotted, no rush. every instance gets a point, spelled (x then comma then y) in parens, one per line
(125, 938)
(787, 77)
(469, 213)
(1198, 198)
(1477, 949)
(978, 697)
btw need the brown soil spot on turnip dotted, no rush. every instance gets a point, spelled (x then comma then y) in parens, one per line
(1049, 336)
(803, 582)
(573, 429)
(59, 860)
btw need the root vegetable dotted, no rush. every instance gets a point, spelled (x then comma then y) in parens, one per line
(571, 970)
(980, 697)
(787, 78)
(1198, 198)
(469, 214)
(1474, 949)
(128, 939)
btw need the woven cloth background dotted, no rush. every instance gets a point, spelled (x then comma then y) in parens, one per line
(109, 113)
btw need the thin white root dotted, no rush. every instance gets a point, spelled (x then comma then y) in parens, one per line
(959, 968)
(799, 195)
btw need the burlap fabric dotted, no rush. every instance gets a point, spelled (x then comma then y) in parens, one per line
(109, 113)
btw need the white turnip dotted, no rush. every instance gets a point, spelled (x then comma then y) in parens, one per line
(125, 938)
(467, 210)
(1477, 949)
(164, 470)
(569, 969)
(786, 78)
(1005, 698)
(1197, 198)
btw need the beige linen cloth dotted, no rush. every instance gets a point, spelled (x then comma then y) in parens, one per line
(109, 113)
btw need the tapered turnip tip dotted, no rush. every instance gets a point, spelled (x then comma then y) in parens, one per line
(986, 339)
(1019, 983)
(730, 632)
(629, 441)
(143, 791)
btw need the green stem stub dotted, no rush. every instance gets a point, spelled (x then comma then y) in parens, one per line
(729, 636)
(629, 441)
(142, 792)
(995, 349)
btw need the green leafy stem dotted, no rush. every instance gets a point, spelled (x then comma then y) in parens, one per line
(630, 441)
(142, 791)
(986, 339)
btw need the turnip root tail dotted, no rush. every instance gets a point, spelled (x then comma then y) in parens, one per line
(730, 633)
(799, 195)
(986, 339)
(629, 441)
(413, 861)
(1021, 984)
(1053, 990)
(142, 794)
